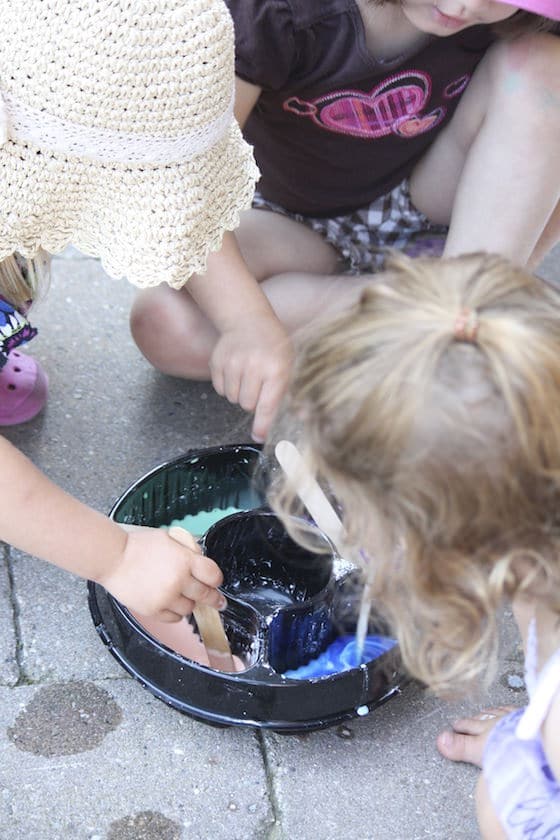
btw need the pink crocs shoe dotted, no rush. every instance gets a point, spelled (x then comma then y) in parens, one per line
(23, 389)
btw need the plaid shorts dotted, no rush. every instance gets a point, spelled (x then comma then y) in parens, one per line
(363, 237)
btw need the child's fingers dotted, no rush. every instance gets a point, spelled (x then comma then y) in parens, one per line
(182, 605)
(226, 376)
(206, 571)
(232, 384)
(184, 537)
(204, 578)
(201, 594)
(218, 381)
(249, 392)
(267, 405)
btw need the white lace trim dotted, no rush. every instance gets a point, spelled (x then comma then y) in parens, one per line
(49, 133)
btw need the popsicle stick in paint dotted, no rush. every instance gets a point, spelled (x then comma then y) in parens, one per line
(325, 516)
(309, 491)
(208, 619)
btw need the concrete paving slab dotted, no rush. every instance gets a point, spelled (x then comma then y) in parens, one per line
(92, 760)
(59, 640)
(151, 773)
(380, 777)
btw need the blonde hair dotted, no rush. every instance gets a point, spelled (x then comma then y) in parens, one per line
(22, 280)
(443, 452)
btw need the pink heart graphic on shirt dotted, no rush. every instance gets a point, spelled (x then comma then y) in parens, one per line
(413, 126)
(372, 116)
(397, 101)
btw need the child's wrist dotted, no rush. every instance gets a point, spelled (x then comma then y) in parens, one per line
(113, 555)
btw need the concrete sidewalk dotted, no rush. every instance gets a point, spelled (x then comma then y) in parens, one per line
(85, 751)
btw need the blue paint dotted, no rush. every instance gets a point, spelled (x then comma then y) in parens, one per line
(341, 655)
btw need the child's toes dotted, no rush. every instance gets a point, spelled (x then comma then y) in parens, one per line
(467, 739)
(456, 746)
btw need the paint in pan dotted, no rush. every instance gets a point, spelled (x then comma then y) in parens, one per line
(261, 595)
(198, 523)
(181, 637)
(342, 655)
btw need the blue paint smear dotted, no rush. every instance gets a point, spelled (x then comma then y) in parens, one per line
(342, 655)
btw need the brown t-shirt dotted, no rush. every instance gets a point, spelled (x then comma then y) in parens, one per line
(334, 128)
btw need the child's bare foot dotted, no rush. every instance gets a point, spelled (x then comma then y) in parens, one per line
(467, 738)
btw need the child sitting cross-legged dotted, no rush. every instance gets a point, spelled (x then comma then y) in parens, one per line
(408, 124)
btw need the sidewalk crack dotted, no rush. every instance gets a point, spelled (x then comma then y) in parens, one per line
(22, 679)
(275, 831)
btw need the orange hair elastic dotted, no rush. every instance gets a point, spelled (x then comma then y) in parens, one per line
(466, 326)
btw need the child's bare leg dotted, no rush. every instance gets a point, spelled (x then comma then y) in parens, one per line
(274, 244)
(494, 172)
(466, 742)
(296, 269)
(488, 822)
(467, 738)
(172, 332)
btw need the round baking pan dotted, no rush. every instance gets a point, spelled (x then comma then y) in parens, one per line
(286, 605)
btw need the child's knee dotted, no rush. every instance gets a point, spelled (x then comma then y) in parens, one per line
(144, 315)
(171, 332)
(156, 317)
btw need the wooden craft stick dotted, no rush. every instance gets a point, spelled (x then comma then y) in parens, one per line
(325, 516)
(309, 491)
(208, 619)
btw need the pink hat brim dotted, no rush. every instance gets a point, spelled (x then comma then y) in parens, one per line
(547, 8)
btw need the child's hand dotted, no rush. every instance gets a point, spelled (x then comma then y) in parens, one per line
(250, 365)
(159, 577)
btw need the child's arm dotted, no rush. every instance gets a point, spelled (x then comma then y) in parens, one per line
(144, 568)
(246, 97)
(252, 359)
